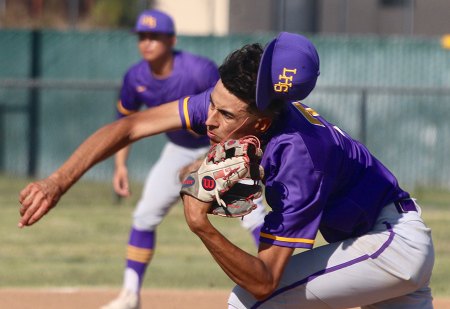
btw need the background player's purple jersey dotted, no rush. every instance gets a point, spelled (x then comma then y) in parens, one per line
(191, 75)
(316, 177)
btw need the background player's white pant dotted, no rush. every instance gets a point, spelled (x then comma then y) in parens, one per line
(162, 189)
(386, 268)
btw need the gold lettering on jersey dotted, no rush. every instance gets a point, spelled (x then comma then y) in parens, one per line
(309, 113)
(148, 21)
(285, 80)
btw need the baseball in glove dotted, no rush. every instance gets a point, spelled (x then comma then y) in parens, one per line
(224, 175)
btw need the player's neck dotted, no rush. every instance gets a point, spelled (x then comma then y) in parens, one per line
(162, 68)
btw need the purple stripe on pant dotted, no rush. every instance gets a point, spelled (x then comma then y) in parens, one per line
(334, 268)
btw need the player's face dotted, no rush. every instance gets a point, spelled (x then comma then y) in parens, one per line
(155, 46)
(228, 117)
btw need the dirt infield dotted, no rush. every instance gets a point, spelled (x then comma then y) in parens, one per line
(83, 298)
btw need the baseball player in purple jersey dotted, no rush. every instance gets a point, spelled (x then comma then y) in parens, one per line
(317, 178)
(163, 75)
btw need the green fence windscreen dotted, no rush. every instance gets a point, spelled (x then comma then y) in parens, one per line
(407, 129)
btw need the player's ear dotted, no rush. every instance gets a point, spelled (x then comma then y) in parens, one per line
(262, 124)
(173, 40)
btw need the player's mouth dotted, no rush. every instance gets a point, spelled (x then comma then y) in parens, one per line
(213, 137)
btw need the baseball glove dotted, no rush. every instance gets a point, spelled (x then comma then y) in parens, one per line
(225, 165)
(238, 201)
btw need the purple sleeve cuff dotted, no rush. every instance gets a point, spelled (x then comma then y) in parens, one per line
(287, 241)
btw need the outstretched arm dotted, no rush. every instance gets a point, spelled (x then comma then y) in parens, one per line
(41, 196)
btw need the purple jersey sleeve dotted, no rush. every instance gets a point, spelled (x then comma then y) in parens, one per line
(194, 111)
(127, 103)
(293, 191)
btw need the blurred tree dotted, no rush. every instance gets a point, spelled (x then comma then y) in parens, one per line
(37, 8)
(118, 13)
(86, 14)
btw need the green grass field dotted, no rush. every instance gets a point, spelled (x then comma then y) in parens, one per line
(82, 242)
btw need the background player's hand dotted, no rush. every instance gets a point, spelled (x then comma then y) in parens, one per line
(120, 182)
(37, 199)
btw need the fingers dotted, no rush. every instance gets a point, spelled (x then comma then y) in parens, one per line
(34, 213)
(121, 186)
(26, 198)
(39, 213)
(37, 199)
(34, 205)
(122, 190)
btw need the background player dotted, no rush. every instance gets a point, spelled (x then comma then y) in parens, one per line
(317, 177)
(163, 75)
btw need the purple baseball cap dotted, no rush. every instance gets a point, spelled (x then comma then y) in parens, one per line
(154, 21)
(288, 70)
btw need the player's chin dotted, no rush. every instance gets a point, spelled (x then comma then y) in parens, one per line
(149, 56)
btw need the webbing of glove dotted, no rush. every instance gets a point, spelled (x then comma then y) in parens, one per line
(249, 147)
(238, 201)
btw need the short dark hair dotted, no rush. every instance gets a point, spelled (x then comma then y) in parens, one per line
(239, 73)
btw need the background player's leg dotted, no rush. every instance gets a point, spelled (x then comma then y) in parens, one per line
(374, 269)
(161, 191)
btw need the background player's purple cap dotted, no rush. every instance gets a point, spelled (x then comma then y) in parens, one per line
(154, 21)
(288, 70)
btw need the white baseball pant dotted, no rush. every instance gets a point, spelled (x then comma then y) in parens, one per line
(162, 189)
(388, 268)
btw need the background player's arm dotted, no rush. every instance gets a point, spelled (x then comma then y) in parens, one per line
(120, 179)
(127, 105)
(41, 196)
(258, 275)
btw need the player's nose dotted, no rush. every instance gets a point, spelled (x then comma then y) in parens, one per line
(212, 119)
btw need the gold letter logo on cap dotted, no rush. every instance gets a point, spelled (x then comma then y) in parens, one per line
(285, 80)
(149, 21)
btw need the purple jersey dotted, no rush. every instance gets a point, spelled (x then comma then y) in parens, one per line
(316, 177)
(191, 75)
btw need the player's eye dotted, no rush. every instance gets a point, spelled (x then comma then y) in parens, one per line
(143, 36)
(227, 115)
